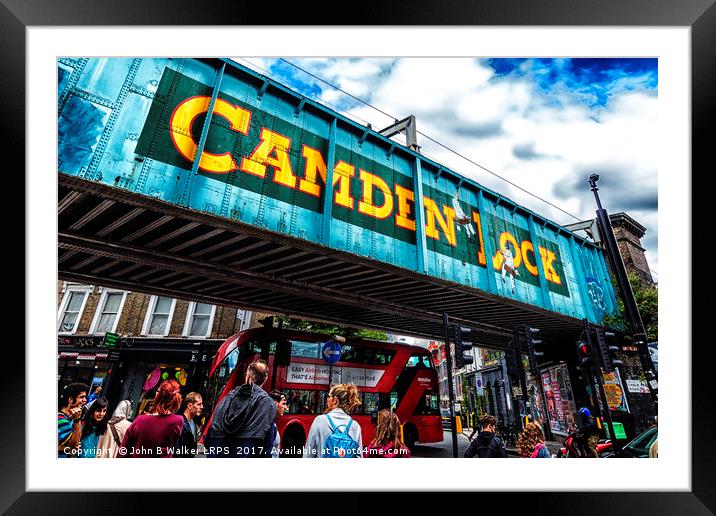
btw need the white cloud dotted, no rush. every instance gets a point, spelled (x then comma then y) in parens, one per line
(546, 144)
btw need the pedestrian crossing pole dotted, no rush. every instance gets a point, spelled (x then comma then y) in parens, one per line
(451, 394)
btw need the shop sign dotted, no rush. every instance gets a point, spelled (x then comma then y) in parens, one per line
(478, 384)
(630, 348)
(79, 342)
(637, 386)
(318, 374)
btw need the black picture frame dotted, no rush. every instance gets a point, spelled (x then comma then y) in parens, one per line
(699, 15)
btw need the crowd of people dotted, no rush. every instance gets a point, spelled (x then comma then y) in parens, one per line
(85, 429)
(244, 424)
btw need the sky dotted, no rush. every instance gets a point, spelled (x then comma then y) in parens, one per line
(542, 124)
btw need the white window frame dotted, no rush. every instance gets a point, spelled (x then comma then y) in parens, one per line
(190, 317)
(150, 313)
(100, 307)
(67, 290)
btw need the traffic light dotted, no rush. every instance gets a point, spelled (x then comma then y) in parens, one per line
(586, 363)
(461, 360)
(607, 349)
(514, 359)
(532, 351)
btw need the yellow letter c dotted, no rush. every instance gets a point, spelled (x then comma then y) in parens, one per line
(180, 129)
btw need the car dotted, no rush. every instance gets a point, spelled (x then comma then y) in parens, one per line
(637, 448)
(445, 416)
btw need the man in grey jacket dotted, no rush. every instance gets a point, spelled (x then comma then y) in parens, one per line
(242, 421)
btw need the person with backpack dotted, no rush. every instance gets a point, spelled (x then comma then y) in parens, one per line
(243, 421)
(334, 434)
(387, 443)
(486, 444)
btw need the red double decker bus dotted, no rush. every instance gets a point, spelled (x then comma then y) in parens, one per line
(388, 375)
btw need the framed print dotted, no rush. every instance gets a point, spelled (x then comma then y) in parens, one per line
(234, 62)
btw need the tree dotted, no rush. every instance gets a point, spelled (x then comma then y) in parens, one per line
(647, 301)
(329, 329)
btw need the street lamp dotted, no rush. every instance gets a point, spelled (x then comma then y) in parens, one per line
(631, 311)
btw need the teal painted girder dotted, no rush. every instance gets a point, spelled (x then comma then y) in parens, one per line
(268, 151)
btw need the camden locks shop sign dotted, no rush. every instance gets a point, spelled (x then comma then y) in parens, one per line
(256, 151)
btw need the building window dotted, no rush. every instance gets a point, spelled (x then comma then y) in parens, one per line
(107, 315)
(159, 316)
(71, 308)
(199, 320)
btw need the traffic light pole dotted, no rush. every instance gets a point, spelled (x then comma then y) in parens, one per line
(631, 310)
(451, 394)
(515, 373)
(522, 375)
(600, 381)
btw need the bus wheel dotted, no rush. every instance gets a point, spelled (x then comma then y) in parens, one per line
(292, 441)
(410, 436)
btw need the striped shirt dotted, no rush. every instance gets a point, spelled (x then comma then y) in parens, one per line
(64, 432)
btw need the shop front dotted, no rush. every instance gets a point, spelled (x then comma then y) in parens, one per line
(85, 359)
(133, 368)
(145, 363)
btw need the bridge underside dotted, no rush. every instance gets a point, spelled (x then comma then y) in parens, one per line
(120, 239)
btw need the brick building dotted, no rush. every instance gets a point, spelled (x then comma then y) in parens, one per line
(156, 338)
(628, 233)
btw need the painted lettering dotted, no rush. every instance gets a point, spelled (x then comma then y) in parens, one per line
(181, 124)
(366, 205)
(342, 174)
(315, 167)
(529, 265)
(272, 151)
(402, 217)
(447, 223)
(548, 259)
(481, 259)
(507, 238)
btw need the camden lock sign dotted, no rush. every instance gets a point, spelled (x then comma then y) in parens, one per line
(254, 150)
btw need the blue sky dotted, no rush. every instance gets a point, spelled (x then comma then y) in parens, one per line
(543, 124)
(594, 81)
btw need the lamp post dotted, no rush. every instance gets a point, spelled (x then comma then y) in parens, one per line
(631, 311)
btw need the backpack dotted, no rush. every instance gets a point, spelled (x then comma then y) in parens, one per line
(491, 451)
(339, 445)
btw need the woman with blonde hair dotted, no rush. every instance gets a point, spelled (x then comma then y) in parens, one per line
(334, 434)
(530, 443)
(387, 443)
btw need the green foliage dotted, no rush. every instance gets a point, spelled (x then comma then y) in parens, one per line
(481, 405)
(330, 329)
(647, 300)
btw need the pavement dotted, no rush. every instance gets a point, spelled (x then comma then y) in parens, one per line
(552, 446)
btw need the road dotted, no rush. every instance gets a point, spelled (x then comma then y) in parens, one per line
(442, 449)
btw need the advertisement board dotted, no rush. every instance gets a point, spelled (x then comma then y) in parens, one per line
(559, 398)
